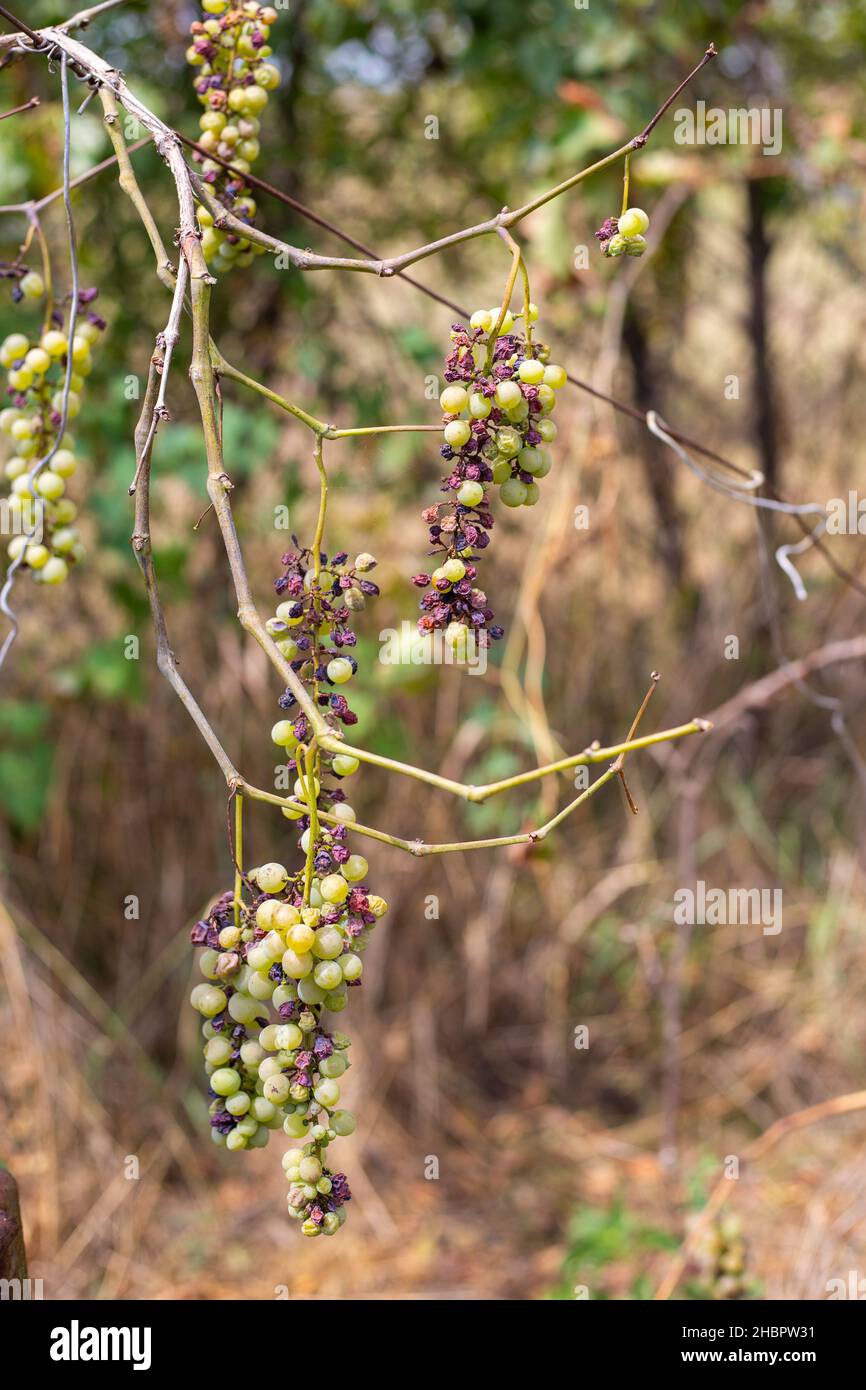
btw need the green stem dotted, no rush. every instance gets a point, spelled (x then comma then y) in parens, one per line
(47, 319)
(239, 855)
(482, 793)
(224, 368)
(129, 184)
(625, 184)
(506, 300)
(382, 429)
(419, 849)
(307, 780)
(318, 455)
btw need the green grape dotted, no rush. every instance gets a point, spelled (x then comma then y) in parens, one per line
(218, 1050)
(328, 975)
(297, 965)
(334, 889)
(457, 433)
(454, 399)
(271, 878)
(555, 376)
(209, 1000)
(531, 371)
(225, 1081)
(327, 1093)
(513, 492)
(470, 494)
(351, 965)
(633, 222)
(508, 394)
(339, 670)
(333, 1067)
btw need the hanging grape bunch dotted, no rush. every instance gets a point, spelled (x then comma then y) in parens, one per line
(296, 949)
(229, 50)
(500, 394)
(284, 956)
(43, 462)
(624, 236)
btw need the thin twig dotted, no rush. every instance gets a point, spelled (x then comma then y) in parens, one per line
(76, 182)
(16, 110)
(219, 486)
(618, 765)
(76, 21)
(142, 549)
(640, 140)
(166, 342)
(19, 25)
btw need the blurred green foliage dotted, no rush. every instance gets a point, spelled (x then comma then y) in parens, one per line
(601, 1240)
(26, 761)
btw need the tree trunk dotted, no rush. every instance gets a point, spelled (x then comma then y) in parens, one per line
(764, 406)
(657, 465)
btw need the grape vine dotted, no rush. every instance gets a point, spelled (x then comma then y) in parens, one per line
(283, 948)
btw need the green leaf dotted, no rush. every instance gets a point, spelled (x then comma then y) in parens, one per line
(22, 720)
(25, 780)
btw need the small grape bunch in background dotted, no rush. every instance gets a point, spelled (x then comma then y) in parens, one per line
(36, 373)
(229, 50)
(721, 1260)
(624, 236)
(497, 406)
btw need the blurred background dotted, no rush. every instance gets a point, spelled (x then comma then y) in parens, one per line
(496, 1156)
